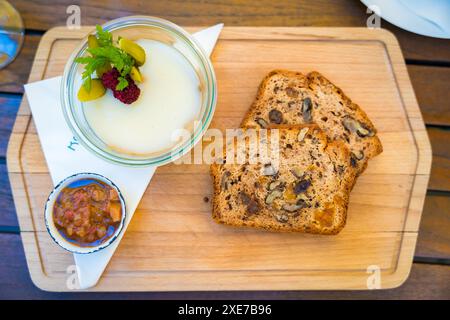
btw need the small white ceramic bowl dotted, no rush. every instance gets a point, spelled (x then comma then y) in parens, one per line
(53, 231)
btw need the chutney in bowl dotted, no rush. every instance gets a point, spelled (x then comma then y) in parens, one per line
(85, 213)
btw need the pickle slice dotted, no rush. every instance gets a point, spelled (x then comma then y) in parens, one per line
(103, 68)
(97, 91)
(133, 50)
(92, 41)
(135, 74)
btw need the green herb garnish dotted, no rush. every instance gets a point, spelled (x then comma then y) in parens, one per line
(104, 37)
(106, 53)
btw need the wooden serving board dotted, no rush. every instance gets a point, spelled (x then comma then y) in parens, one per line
(173, 244)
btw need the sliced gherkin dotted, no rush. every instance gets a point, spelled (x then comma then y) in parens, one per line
(92, 41)
(133, 50)
(135, 74)
(103, 68)
(97, 91)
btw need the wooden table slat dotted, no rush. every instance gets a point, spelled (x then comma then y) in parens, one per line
(326, 13)
(434, 236)
(431, 85)
(8, 216)
(440, 168)
(9, 104)
(424, 282)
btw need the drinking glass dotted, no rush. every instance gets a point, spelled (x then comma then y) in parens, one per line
(11, 33)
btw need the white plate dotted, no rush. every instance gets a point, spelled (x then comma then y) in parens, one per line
(428, 18)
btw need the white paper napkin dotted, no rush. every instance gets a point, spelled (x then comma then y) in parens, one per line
(65, 157)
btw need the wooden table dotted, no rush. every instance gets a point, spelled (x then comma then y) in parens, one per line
(428, 63)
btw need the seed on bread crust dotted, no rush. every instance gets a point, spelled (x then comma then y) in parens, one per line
(302, 203)
(276, 184)
(297, 172)
(290, 207)
(291, 92)
(358, 154)
(306, 110)
(353, 160)
(302, 133)
(275, 116)
(262, 123)
(253, 207)
(245, 198)
(273, 195)
(282, 218)
(357, 127)
(269, 170)
(364, 132)
(301, 186)
(224, 180)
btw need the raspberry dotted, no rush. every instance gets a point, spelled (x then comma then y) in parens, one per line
(110, 79)
(128, 95)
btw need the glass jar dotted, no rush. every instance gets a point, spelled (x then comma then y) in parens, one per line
(133, 28)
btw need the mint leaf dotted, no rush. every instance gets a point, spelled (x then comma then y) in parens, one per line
(121, 60)
(104, 37)
(91, 65)
(83, 60)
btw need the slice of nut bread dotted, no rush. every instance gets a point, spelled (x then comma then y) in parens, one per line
(307, 190)
(287, 97)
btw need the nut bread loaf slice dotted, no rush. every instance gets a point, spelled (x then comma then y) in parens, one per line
(287, 97)
(306, 191)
